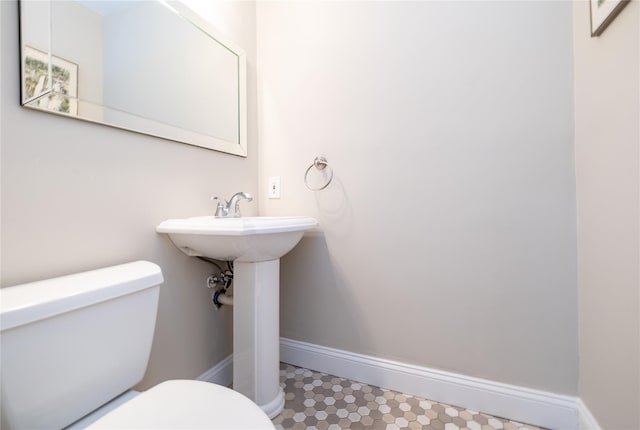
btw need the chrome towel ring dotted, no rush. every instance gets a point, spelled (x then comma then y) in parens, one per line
(319, 163)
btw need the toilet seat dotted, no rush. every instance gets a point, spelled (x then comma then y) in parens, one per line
(180, 404)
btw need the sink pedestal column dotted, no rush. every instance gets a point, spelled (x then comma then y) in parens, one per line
(256, 334)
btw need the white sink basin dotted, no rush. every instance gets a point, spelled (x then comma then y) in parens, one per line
(247, 239)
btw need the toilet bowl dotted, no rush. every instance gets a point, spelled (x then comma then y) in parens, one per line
(185, 404)
(71, 345)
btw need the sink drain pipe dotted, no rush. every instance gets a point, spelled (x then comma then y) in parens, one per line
(220, 285)
(220, 298)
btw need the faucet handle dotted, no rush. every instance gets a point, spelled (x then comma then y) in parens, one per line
(221, 210)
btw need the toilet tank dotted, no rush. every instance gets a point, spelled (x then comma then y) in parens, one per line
(70, 344)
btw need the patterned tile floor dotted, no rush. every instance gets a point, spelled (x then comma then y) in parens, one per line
(316, 400)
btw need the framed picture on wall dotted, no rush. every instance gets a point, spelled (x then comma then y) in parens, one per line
(603, 12)
(61, 94)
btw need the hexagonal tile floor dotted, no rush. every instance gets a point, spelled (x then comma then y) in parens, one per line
(315, 400)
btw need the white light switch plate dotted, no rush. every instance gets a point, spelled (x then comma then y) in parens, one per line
(274, 187)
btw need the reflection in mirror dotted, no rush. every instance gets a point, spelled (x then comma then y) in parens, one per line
(153, 67)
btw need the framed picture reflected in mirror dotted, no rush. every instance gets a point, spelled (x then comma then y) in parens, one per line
(57, 92)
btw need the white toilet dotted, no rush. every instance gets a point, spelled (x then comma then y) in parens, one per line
(71, 345)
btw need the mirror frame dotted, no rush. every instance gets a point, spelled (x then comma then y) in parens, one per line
(156, 128)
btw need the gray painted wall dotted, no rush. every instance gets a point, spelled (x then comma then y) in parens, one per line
(78, 196)
(448, 235)
(608, 188)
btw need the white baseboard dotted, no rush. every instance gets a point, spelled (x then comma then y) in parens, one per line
(221, 373)
(526, 405)
(586, 421)
(521, 404)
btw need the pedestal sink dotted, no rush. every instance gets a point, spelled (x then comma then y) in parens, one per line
(255, 244)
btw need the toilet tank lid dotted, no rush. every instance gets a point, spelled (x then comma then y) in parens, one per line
(26, 303)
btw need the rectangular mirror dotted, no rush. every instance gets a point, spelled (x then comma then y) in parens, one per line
(153, 67)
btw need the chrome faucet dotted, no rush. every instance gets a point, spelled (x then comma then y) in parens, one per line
(231, 208)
